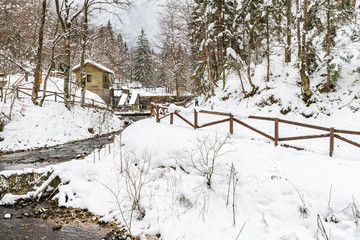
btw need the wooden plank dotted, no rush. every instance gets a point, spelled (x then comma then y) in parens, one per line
(171, 118)
(304, 137)
(347, 140)
(347, 132)
(165, 116)
(182, 118)
(215, 113)
(231, 125)
(214, 123)
(23, 93)
(254, 129)
(305, 125)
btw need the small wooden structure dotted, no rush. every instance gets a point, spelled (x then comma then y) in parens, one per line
(97, 78)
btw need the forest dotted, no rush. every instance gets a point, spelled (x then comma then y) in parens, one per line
(201, 41)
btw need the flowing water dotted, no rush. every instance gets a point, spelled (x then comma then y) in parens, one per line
(21, 226)
(52, 155)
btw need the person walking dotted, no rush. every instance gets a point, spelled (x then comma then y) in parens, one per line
(196, 101)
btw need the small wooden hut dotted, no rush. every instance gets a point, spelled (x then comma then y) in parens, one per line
(97, 78)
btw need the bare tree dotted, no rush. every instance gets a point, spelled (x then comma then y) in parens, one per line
(67, 12)
(36, 84)
(203, 157)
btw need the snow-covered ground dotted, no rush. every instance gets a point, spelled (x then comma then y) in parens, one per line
(271, 192)
(275, 193)
(52, 124)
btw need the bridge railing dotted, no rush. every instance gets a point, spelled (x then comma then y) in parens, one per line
(161, 112)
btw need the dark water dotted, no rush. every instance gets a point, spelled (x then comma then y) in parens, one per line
(48, 156)
(22, 227)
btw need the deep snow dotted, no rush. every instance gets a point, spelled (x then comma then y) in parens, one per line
(33, 126)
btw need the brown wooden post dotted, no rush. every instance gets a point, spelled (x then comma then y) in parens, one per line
(195, 119)
(276, 132)
(331, 141)
(93, 103)
(55, 96)
(231, 124)
(171, 118)
(151, 110)
(157, 114)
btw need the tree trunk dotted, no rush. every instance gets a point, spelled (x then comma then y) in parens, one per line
(67, 63)
(288, 31)
(36, 84)
(298, 30)
(267, 46)
(328, 48)
(305, 81)
(82, 58)
(248, 59)
(52, 63)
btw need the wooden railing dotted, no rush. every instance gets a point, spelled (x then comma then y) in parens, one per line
(59, 97)
(161, 112)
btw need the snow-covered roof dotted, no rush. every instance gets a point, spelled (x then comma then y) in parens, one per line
(117, 93)
(133, 98)
(97, 65)
(123, 99)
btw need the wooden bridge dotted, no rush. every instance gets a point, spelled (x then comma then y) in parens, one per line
(161, 112)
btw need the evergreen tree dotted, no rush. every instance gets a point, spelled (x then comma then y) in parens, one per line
(142, 66)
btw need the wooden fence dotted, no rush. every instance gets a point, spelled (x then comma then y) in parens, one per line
(161, 112)
(59, 97)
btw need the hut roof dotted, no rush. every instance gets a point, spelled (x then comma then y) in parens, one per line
(94, 64)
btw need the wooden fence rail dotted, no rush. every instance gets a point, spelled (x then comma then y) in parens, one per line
(161, 112)
(59, 95)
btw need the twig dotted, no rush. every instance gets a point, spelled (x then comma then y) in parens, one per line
(241, 230)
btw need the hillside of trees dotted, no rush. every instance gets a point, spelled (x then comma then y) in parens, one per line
(200, 43)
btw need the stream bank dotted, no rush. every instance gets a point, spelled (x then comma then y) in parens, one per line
(45, 220)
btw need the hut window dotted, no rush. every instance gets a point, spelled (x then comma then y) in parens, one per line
(88, 78)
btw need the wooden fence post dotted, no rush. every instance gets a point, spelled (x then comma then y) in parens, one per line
(151, 110)
(55, 96)
(17, 92)
(171, 118)
(93, 103)
(157, 114)
(231, 124)
(195, 119)
(332, 130)
(276, 132)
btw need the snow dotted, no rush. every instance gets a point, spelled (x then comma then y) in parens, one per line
(123, 99)
(7, 216)
(34, 127)
(274, 192)
(272, 184)
(133, 98)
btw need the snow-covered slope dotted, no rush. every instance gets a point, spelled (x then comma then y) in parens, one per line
(33, 126)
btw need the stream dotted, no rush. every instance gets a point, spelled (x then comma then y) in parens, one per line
(23, 224)
(52, 155)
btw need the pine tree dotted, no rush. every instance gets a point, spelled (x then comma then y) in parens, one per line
(142, 67)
